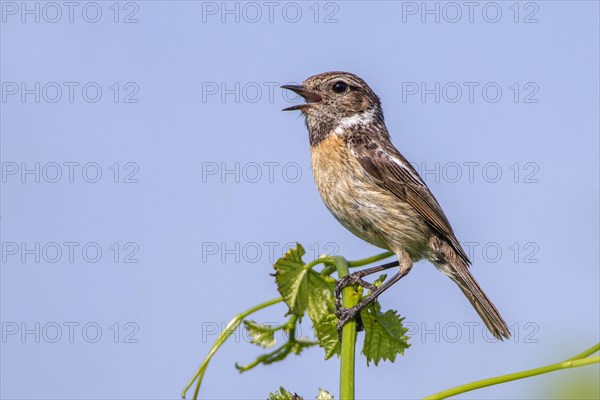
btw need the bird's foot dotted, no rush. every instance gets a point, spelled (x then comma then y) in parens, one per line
(350, 280)
(346, 315)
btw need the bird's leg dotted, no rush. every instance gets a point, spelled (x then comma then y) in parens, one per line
(356, 278)
(347, 314)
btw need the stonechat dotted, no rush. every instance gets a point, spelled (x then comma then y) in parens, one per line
(373, 191)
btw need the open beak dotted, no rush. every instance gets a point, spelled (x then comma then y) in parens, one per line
(310, 97)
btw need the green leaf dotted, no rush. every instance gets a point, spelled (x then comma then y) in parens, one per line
(377, 282)
(384, 334)
(293, 346)
(327, 336)
(298, 345)
(303, 289)
(324, 395)
(262, 335)
(283, 395)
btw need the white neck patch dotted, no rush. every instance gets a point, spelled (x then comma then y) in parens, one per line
(364, 118)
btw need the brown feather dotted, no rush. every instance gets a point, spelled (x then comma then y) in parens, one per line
(404, 182)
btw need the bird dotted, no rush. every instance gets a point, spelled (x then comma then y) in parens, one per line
(375, 193)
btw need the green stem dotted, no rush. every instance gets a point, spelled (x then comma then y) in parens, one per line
(577, 361)
(349, 299)
(330, 267)
(588, 352)
(370, 260)
(229, 329)
(321, 260)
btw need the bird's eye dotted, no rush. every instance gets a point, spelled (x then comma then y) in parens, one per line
(340, 87)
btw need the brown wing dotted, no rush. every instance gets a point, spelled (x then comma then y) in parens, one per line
(391, 170)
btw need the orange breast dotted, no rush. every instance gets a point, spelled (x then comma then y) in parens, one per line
(360, 204)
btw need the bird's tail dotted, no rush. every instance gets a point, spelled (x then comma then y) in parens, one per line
(461, 275)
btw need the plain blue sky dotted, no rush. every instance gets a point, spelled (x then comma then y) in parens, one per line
(203, 237)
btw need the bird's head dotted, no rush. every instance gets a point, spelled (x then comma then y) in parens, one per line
(336, 99)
